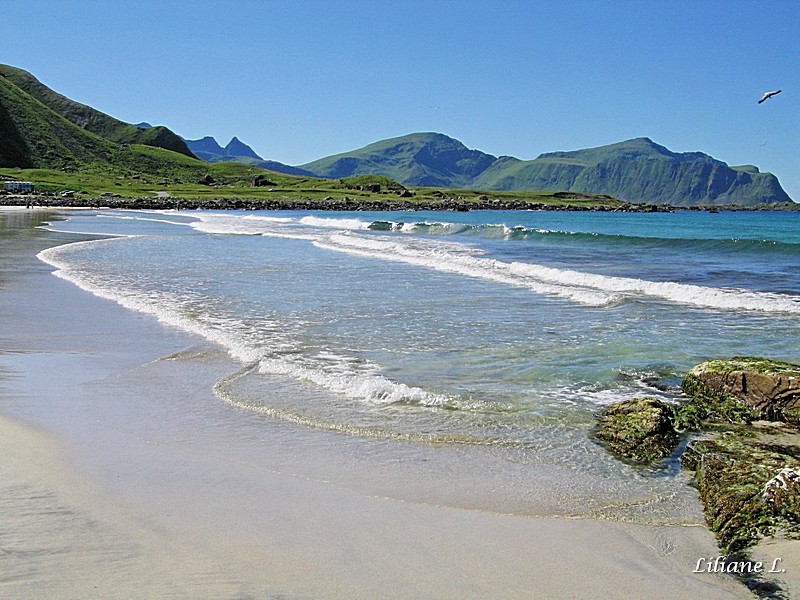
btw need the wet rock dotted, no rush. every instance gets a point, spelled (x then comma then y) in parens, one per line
(742, 389)
(640, 429)
(734, 471)
(782, 494)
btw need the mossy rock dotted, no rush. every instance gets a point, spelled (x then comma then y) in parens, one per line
(640, 429)
(740, 390)
(782, 494)
(733, 472)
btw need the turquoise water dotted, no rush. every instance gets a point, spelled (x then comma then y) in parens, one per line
(503, 330)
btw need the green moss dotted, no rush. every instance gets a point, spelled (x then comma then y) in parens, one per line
(640, 429)
(715, 397)
(731, 472)
(708, 405)
(749, 363)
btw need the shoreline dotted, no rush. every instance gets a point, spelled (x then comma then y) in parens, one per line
(446, 204)
(163, 492)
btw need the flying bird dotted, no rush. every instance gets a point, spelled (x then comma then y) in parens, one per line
(768, 95)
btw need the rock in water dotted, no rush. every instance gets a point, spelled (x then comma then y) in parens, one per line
(746, 388)
(639, 429)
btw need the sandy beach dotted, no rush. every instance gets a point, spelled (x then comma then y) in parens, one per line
(119, 480)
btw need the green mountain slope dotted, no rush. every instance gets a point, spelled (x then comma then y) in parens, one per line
(33, 136)
(40, 129)
(40, 145)
(92, 120)
(637, 170)
(419, 159)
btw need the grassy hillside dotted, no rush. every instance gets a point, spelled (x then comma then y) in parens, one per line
(638, 170)
(31, 135)
(91, 120)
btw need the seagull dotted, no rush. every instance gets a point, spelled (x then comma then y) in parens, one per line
(768, 95)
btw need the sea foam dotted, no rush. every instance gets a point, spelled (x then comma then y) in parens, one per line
(586, 288)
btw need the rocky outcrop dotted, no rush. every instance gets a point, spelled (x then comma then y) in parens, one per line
(743, 389)
(640, 429)
(746, 467)
(744, 446)
(743, 476)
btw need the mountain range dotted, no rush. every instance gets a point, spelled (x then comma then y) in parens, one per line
(636, 170)
(40, 128)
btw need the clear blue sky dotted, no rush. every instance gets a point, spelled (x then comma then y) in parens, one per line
(299, 80)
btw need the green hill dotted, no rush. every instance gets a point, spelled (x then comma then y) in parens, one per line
(39, 144)
(638, 170)
(419, 159)
(34, 136)
(91, 120)
(43, 130)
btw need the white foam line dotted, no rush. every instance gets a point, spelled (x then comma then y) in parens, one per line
(373, 388)
(95, 233)
(130, 218)
(587, 288)
(269, 219)
(441, 260)
(143, 302)
(353, 224)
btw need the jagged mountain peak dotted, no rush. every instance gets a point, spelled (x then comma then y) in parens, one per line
(237, 148)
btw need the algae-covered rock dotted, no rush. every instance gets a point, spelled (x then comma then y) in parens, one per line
(639, 429)
(740, 390)
(782, 494)
(734, 471)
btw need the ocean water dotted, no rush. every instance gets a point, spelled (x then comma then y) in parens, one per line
(502, 333)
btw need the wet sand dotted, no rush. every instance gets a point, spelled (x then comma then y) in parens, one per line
(125, 477)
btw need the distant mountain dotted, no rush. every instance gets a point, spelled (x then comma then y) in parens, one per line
(91, 120)
(236, 148)
(419, 159)
(637, 170)
(209, 150)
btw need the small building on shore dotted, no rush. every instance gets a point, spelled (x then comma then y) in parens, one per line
(20, 187)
